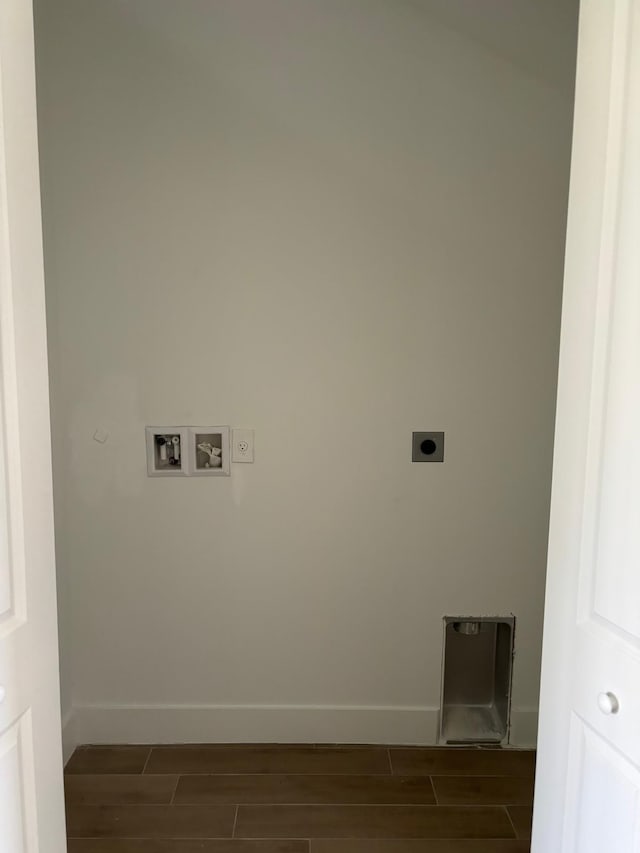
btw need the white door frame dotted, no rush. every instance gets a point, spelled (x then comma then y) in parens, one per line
(30, 718)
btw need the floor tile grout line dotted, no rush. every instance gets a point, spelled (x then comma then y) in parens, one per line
(332, 805)
(172, 801)
(161, 838)
(378, 775)
(513, 826)
(337, 747)
(271, 838)
(329, 805)
(433, 788)
(384, 774)
(470, 806)
(346, 775)
(146, 761)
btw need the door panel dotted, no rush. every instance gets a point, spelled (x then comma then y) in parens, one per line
(610, 668)
(588, 781)
(608, 793)
(12, 569)
(17, 789)
(612, 487)
(31, 794)
(7, 608)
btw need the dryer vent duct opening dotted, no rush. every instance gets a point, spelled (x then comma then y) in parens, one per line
(466, 627)
(476, 679)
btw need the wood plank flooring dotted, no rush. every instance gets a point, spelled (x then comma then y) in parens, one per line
(298, 799)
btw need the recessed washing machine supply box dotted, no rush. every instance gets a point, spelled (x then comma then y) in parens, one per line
(476, 679)
(166, 451)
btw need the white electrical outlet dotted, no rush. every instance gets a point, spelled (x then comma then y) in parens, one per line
(242, 445)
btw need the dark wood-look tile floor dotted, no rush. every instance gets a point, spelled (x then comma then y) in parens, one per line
(298, 799)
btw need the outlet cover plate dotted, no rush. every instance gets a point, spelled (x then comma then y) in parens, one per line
(427, 447)
(242, 445)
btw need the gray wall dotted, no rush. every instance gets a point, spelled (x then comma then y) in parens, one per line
(333, 222)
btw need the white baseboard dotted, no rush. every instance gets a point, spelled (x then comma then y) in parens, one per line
(70, 738)
(255, 724)
(104, 724)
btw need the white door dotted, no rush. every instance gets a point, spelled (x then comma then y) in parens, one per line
(31, 803)
(588, 781)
